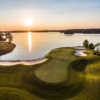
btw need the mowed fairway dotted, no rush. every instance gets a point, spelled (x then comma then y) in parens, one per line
(57, 69)
(63, 77)
(54, 72)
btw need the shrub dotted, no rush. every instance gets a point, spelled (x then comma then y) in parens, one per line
(91, 46)
(86, 43)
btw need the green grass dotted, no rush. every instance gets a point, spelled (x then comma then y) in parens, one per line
(53, 74)
(63, 77)
(7, 93)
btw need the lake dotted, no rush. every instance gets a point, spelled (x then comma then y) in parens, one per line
(33, 45)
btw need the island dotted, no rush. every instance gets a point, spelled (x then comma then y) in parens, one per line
(6, 47)
(6, 44)
(84, 31)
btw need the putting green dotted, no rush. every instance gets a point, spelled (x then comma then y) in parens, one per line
(55, 71)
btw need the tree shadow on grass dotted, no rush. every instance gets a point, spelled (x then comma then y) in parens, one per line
(81, 64)
(61, 94)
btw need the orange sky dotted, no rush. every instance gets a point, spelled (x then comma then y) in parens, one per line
(3, 28)
(49, 14)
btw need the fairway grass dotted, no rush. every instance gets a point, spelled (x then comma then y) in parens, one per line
(63, 76)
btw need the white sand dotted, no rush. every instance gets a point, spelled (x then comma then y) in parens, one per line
(27, 62)
(80, 53)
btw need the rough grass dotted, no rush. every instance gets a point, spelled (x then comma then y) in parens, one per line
(63, 77)
(7, 93)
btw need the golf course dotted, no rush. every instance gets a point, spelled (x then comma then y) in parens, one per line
(63, 76)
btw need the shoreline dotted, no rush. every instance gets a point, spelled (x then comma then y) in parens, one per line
(22, 62)
(37, 59)
(33, 61)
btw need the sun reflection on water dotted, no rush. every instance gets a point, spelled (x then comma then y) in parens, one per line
(29, 41)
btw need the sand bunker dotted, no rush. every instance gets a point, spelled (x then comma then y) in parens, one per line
(24, 62)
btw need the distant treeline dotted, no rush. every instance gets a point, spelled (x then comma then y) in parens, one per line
(91, 31)
(69, 31)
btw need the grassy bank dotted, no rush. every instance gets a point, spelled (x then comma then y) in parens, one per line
(6, 47)
(63, 77)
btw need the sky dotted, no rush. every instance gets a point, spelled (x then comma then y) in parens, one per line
(49, 14)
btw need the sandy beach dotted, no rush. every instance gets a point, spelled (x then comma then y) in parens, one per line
(23, 62)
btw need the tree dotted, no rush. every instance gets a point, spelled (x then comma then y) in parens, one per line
(91, 46)
(9, 37)
(2, 37)
(86, 43)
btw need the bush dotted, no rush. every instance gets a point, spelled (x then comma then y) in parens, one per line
(86, 43)
(91, 46)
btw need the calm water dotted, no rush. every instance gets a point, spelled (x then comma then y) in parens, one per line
(36, 45)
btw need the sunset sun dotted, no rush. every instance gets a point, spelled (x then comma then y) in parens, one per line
(28, 22)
